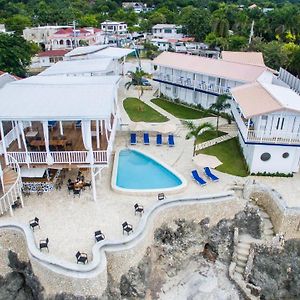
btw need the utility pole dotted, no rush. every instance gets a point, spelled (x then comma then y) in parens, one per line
(251, 33)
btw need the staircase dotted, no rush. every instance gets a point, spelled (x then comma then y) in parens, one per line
(212, 142)
(10, 176)
(268, 231)
(231, 129)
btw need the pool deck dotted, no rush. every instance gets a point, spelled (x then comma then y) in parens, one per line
(70, 223)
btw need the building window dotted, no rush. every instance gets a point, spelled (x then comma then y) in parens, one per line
(285, 155)
(265, 156)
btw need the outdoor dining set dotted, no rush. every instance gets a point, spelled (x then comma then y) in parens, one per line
(76, 187)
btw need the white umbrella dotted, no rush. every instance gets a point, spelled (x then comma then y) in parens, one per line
(166, 127)
(204, 160)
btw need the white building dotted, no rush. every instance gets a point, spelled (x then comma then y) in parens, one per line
(41, 34)
(47, 58)
(266, 107)
(268, 118)
(138, 7)
(118, 55)
(112, 27)
(2, 28)
(199, 80)
(167, 31)
(83, 111)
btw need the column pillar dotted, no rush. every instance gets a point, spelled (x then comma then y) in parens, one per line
(3, 143)
(97, 134)
(93, 185)
(61, 129)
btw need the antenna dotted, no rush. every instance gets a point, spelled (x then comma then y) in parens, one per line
(251, 33)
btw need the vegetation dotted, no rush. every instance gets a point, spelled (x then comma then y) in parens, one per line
(178, 110)
(230, 154)
(225, 24)
(219, 106)
(136, 80)
(196, 131)
(209, 135)
(138, 111)
(15, 54)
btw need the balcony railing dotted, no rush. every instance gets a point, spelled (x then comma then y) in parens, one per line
(59, 157)
(14, 192)
(261, 136)
(193, 84)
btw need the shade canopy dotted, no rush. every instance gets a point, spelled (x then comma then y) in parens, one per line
(32, 172)
(204, 160)
(112, 52)
(85, 50)
(31, 100)
(76, 67)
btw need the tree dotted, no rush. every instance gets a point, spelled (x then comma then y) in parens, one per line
(196, 130)
(195, 22)
(157, 18)
(15, 54)
(17, 23)
(237, 42)
(219, 106)
(88, 21)
(136, 80)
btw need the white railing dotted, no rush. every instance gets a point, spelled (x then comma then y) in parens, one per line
(59, 157)
(10, 196)
(274, 138)
(238, 119)
(9, 138)
(195, 84)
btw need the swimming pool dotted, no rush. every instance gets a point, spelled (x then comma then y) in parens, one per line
(134, 171)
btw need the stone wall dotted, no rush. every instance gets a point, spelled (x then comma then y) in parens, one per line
(122, 255)
(285, 220)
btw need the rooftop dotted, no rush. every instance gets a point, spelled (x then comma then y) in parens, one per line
(261, 98)
(53, 53)
(161, 26)
(85, 50)
(251, 58)
(214, 67)
(65, 99)
(100, 65)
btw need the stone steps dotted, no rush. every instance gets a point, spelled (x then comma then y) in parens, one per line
(213, 142)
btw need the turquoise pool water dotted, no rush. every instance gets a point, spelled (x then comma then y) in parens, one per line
(140, 172)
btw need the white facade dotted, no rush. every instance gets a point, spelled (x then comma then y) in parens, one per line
(162, 44)
(2, 28)
(111, 27)
(167, 31)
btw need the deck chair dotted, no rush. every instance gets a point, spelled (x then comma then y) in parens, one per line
(99, 236)
(197, 178)
(171, 140)
(158, 139)
(210, 175)
(132, 138)
(146, 138)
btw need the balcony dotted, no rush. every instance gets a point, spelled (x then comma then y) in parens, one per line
(67, 149)
(189, 83)
(250, 135)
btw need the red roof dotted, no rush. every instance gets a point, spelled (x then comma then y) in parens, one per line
(1, 72)
(14, 76)
(53, 53)
(70, 30)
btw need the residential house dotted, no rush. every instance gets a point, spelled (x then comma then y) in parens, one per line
(41, 34)
(167, 31)
(48, 58)
(112, 27)
(137, 7)
(67, 39)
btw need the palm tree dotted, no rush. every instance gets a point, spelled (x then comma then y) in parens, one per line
(219, 106)
(136, 80)
(196, 131)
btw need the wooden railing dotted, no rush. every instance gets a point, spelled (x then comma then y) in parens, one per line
(59, 157)
(14, 192)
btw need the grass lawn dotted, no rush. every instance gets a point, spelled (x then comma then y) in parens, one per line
(230, 155)
(180, 111)
(138, 111)
(209, 135)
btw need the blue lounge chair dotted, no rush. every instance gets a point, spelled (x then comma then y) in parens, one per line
(146, 138)
(132, 138)
(158, 139)
(210, 175)
(171, 140)
(197, 178)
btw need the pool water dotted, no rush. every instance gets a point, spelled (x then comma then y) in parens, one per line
(140, 172)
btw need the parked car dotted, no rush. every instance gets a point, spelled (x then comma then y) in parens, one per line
(145, 82)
